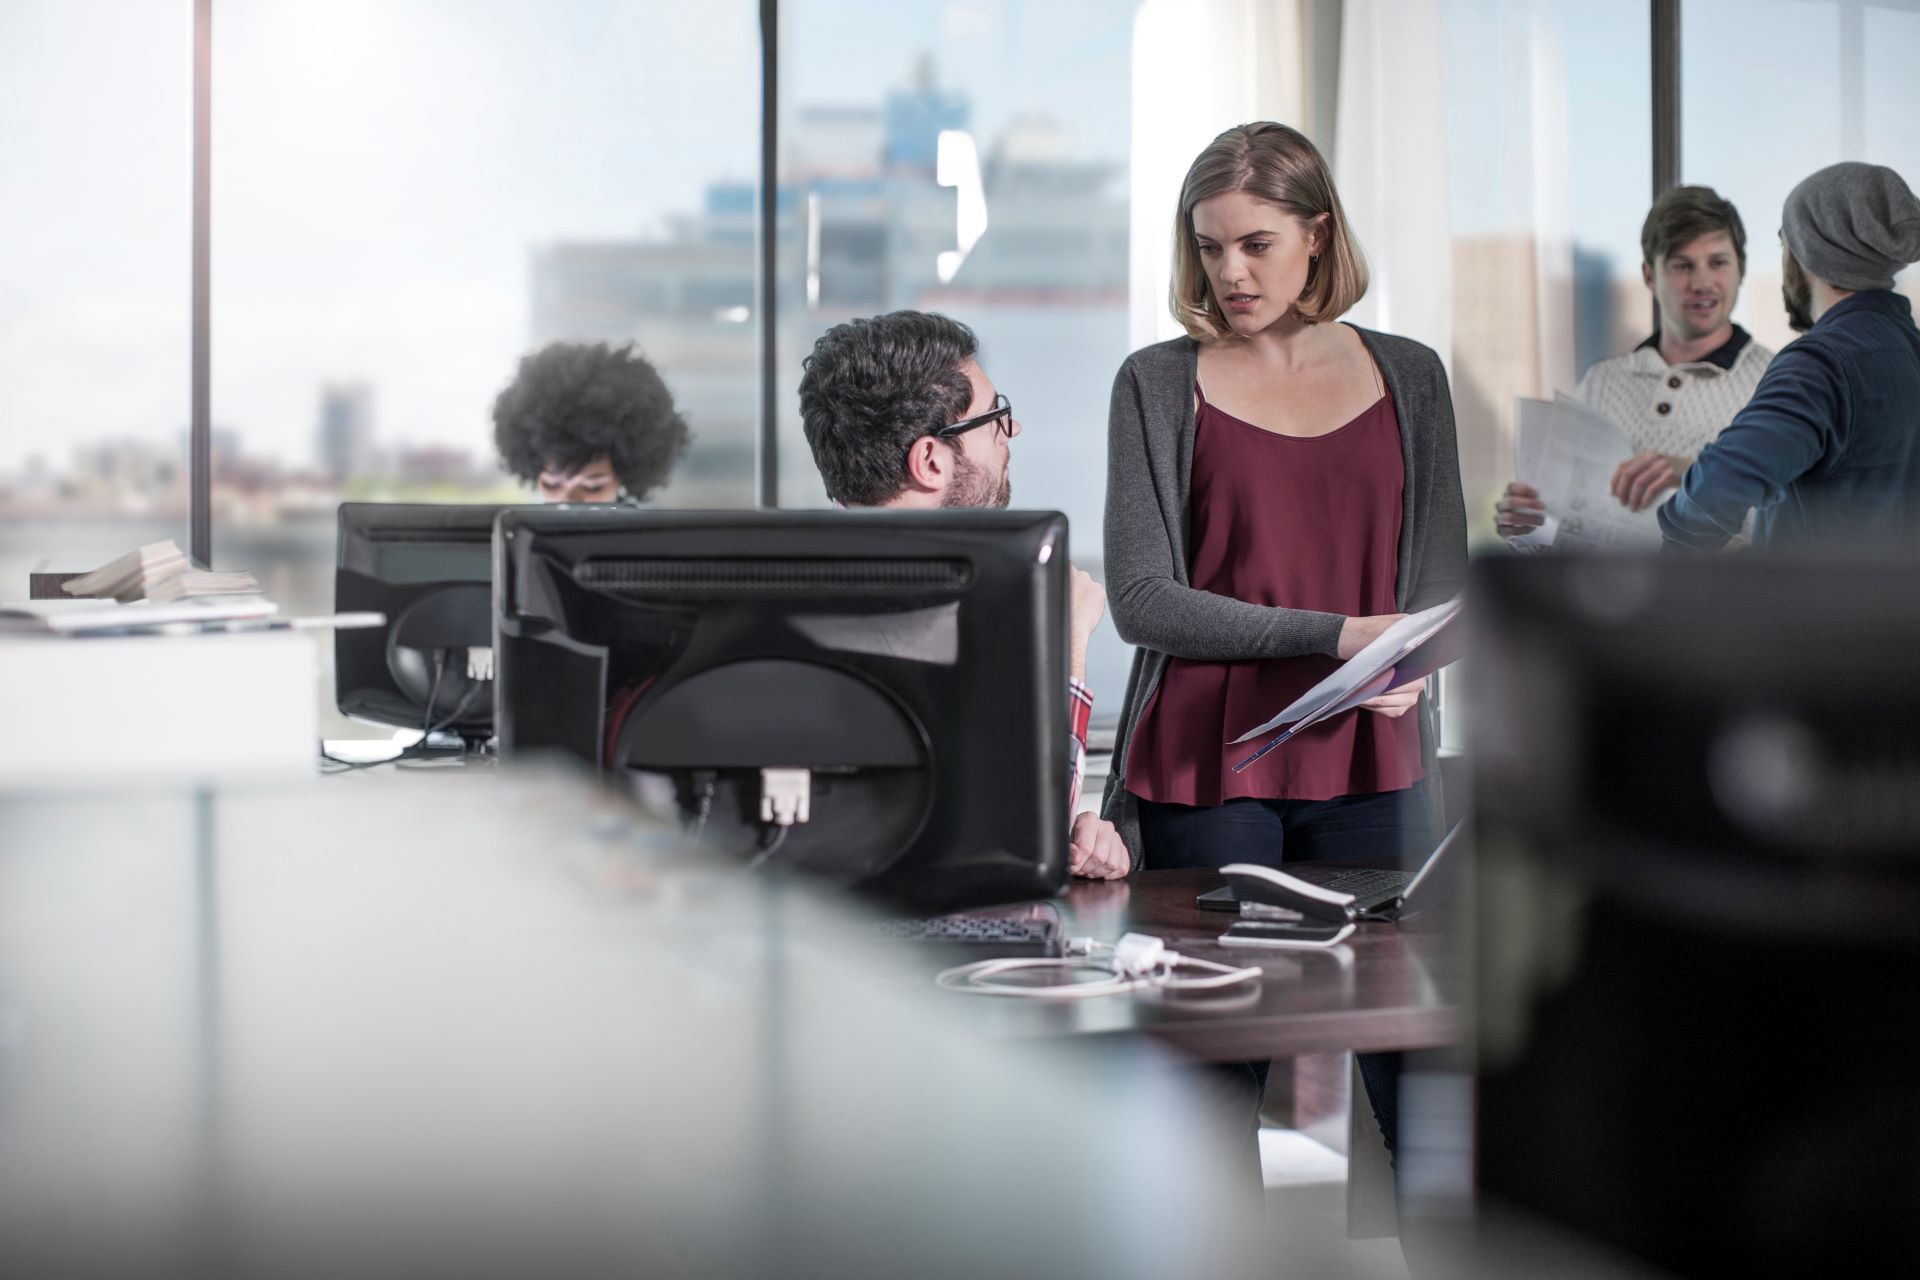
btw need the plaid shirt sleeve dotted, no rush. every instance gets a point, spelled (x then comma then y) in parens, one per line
(1080, 704)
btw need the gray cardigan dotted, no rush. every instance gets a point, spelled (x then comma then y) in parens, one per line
(1149, 468)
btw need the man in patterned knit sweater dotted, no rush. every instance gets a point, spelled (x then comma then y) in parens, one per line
(1673, 393)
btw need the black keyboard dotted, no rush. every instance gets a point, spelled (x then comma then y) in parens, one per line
(991, 936)
(1361, 882)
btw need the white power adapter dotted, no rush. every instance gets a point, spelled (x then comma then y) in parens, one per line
(1138, 954)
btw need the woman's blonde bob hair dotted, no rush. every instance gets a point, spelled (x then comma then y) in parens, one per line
(1276, 164)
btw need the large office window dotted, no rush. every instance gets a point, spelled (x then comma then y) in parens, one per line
(1500, 196)
(409, 195)
(1548, 138)
(968, 159)
(1842, 82)
(95, 217)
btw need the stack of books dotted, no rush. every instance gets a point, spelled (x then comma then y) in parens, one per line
(161, 572)
(157, 591)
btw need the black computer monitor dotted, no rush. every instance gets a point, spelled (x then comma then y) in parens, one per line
(429, 569)
(911, 663)
(1697, 787)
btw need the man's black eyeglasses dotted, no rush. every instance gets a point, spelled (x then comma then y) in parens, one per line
(1002, 410)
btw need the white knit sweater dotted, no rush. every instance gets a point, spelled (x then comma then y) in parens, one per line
(1673, 409)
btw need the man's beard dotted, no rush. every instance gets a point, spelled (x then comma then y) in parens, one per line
(1797, 293)
(973, 487)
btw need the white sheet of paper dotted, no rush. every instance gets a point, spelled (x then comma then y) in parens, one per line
(78, 617)
(1538, 539)
(1568, 453)
(1393, 644)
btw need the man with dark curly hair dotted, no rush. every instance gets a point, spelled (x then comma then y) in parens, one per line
(898, 413)
(589, 423)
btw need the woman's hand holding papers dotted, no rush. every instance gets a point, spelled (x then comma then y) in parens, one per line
(1357, 633)
(1398, 701)
(1519, 511)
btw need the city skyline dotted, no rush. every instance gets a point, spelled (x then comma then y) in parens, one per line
(330, 143)
(702, 266)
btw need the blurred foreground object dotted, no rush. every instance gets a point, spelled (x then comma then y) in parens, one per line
(1698, 794)
(481, 1025)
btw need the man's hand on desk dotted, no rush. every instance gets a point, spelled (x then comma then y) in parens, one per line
(1098, 851)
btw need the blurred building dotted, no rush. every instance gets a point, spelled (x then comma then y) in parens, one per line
(860, 226)
(1496, 357)
(440, 465)
(346, 443)
(126, 476)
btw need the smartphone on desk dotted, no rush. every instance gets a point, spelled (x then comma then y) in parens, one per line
(1285, 933)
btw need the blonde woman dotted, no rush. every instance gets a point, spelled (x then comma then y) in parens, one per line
(1281, 487)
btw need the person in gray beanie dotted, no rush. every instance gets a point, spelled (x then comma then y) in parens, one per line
(1828, 449)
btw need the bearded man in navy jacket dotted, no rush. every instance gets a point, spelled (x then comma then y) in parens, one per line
(1828, 449)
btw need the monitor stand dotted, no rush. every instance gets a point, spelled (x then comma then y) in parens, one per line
(448, 749)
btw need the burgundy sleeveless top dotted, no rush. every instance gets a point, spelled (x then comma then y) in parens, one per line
(1306, 523)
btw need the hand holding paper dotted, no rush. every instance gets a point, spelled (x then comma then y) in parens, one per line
(1411, 649)
(1396, 701)
(1570, 455)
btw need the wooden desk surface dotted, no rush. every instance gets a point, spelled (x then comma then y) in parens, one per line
(1386, 987)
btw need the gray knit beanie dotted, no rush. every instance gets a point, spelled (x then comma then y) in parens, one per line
(1853, 225)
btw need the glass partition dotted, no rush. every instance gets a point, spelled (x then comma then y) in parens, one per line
(410, 195)
(96, 213)
(1842, 82)
(970, 159)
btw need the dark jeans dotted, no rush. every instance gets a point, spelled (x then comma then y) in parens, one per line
(1392, 825)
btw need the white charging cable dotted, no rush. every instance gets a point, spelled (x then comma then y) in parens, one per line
(1138, 962)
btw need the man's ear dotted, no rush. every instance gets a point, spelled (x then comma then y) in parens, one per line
(929, 464)
(1646, 274)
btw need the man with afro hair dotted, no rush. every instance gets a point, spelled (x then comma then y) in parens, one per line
(589, 423)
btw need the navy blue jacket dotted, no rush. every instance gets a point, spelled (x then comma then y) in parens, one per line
(1829, 446)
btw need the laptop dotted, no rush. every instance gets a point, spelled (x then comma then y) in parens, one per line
(1332, 890)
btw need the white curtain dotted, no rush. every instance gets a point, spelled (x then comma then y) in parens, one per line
(1454, 164)
(1391, 164)
(1451, 152)
(1199, 66)
(1549, 153)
